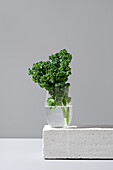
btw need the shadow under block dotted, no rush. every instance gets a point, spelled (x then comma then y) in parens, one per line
(77, 143)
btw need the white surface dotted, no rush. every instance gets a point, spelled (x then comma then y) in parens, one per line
(78, 143)
(26, 154)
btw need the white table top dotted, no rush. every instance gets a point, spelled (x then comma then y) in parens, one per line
(26, 154)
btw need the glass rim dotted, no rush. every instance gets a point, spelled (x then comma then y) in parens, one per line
(59, 106)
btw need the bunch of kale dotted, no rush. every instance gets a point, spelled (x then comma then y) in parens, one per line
(53, 76)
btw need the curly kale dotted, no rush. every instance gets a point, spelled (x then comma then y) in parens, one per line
(53, 76)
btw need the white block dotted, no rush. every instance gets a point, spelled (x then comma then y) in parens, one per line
(77, 143)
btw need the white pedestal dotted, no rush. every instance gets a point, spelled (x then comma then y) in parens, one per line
(77, 143)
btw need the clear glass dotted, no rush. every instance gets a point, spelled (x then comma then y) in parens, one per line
(55, 116)
(60, 115)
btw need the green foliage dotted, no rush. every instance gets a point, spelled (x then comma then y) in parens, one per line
(53, 76)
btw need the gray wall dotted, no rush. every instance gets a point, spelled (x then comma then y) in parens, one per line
(30, 31)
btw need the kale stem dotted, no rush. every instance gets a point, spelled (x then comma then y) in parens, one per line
(64, 112)
(66, 115)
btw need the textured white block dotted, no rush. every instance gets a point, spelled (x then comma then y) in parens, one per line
(77, 143)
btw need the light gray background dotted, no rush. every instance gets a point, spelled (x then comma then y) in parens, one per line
(31, 30)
